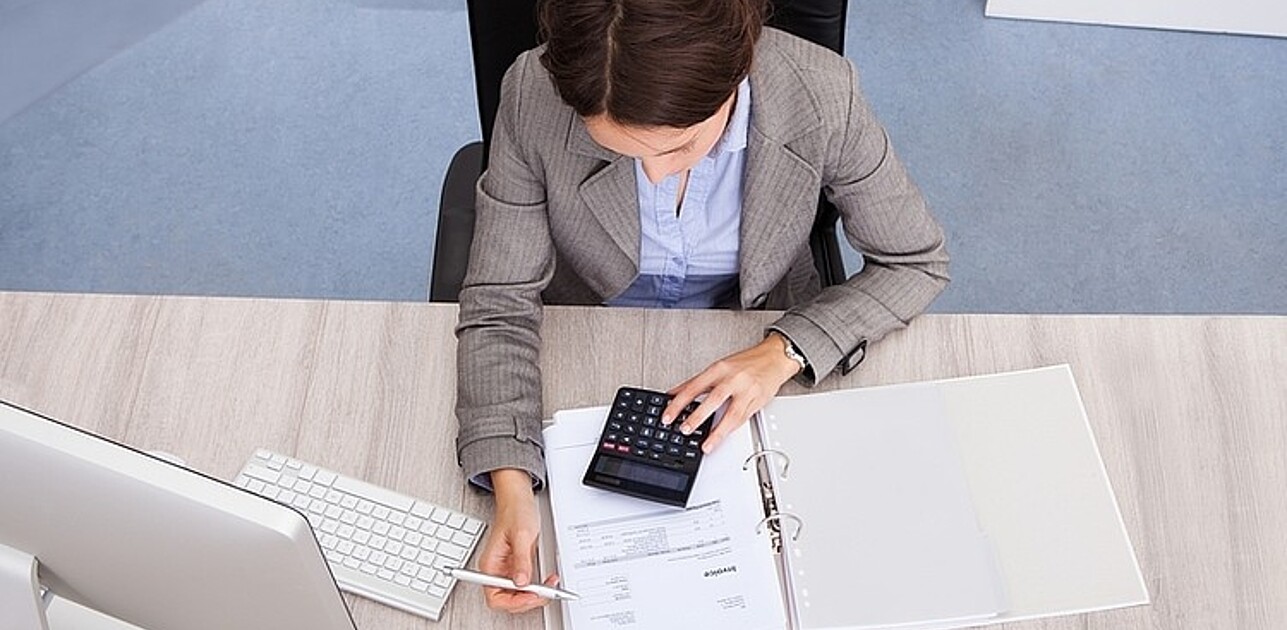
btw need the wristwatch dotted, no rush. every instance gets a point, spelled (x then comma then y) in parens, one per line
(793, 353)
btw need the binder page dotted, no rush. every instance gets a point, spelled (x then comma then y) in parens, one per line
(638, 564)
(889, 537)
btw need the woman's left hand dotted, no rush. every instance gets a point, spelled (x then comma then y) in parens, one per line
(747, 380)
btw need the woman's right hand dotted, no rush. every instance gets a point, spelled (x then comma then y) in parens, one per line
(511, 544)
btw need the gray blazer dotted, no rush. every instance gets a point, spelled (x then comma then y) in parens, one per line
(558, 222)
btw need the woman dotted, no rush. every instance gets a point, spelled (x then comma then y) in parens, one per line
(670, 153)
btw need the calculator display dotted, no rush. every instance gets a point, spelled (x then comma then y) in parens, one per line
(639, 456)
(651, 475)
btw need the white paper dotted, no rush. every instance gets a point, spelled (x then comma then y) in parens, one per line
(638, 564)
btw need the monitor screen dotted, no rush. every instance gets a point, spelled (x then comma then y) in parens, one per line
(152, 543)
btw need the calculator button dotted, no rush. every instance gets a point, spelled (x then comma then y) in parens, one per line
(677, 439)
(637, 405)
(641, 443)
(646, 432)
(658, 447)
(611, 437)
(610, 446)
(626, 439)
(662, 435)
(692, 444)
(619, 414)
(638, 451)
(674, 450)
(653, 411)
(690, 454)
(630, 428)
(654, 456)
(623, 448)
(656, 400)
(615, 426)
(650, 421)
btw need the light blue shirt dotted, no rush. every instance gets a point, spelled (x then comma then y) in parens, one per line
(690, 260)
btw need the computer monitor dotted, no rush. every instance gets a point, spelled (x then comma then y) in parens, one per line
(146, 541)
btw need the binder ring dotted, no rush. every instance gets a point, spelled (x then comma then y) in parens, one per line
(799, 523)
(786, 460)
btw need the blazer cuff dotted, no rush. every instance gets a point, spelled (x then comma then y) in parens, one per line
(818, 348)
(495, 443)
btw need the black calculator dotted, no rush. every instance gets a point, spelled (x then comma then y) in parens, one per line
(639, 457)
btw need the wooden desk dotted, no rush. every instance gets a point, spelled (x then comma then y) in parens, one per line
(1190, 413)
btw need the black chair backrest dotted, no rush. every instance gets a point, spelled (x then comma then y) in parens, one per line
(500, 30)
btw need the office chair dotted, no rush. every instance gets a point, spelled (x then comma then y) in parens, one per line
(499, 31)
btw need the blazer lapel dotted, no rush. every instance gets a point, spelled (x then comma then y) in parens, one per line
(613, 200)
(611, 197)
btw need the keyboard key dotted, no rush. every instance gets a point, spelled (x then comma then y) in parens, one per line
(266, 475)
(456, 521)
(451, 551)
(421, 510)
(462, 539)
(472, 526)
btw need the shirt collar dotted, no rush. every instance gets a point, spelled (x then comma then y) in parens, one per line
(734, 138)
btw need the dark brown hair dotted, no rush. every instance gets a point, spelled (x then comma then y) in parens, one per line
(646, 63)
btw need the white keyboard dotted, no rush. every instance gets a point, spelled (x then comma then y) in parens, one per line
(379, 544)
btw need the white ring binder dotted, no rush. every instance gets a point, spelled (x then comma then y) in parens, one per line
(799, 523)
(786, 460)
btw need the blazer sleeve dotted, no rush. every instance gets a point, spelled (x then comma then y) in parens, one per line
(886, 219)
(498, 387)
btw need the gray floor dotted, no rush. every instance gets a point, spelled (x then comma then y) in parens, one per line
(296, 148)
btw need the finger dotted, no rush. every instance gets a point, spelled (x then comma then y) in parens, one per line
(708, 407)
(685, 393)
(511, 601)
(521, 559)
(495, 552)
(735, 415)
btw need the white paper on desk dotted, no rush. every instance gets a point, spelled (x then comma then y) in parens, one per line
(638, 564)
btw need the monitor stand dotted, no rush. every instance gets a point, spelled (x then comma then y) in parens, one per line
(20, 593)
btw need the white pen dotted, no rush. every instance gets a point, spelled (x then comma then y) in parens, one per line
(548, 592)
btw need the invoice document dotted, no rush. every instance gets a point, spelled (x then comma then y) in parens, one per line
(637, 564)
